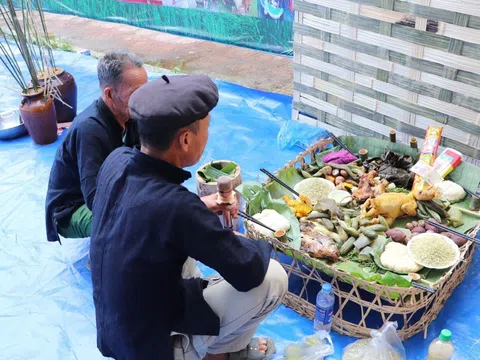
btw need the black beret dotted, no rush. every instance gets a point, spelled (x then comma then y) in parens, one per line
(173, 102)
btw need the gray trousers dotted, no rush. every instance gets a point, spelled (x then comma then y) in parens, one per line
(240, 313)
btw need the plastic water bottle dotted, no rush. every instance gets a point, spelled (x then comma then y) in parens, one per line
(441, 348)
(324, 308)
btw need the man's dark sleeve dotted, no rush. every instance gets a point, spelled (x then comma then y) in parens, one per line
(92, 147)
(132, 138)
(242, 262)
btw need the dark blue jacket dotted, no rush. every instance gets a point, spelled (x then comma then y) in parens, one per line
(145, 225)
(93, 135)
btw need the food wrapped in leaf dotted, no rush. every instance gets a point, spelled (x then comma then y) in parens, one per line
(273, 220)
(392, 167)
(455, 217)
(451, 191)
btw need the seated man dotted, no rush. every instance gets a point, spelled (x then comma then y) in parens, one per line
(93, 135)
(146, 225)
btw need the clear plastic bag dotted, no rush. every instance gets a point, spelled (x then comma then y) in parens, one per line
(385, 344)
(313, 347)
(296, 134)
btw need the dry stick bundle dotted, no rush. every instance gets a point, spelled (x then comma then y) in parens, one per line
(23, 45)
(45, 34)
(49, 69)
(8, 58)
(52, 90)
(32, 34)
(34, 47)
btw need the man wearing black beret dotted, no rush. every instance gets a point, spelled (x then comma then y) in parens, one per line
(145, 227)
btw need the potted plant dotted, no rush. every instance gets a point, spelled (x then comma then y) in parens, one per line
(37, 107)
(64, 83)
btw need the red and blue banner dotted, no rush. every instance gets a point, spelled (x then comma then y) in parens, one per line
(281, 10)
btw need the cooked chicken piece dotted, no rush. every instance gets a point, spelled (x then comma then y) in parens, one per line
(390, 206)
(427, 194)
(366, 187)
(380, 188)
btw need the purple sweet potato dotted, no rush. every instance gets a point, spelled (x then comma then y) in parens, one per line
(418, 229)
(431, 227)
(397, 235)
(458, 240)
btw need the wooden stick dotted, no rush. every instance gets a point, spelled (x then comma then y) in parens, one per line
(473, 213)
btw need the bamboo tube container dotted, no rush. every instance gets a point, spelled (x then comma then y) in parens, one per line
(363, 154)
(204, 189)
(393, 136)
(413, 143)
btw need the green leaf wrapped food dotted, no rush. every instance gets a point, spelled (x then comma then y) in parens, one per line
(455, 217)
(214, 170)
(259, 199)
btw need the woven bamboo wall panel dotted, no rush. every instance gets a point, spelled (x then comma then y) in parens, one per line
(366, 66)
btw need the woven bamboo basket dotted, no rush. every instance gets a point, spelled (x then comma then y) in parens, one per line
(365, 66)
(412, 308)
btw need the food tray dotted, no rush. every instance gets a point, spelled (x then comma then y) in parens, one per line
(360, 305)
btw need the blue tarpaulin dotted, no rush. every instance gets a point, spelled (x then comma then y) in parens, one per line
(46, 306)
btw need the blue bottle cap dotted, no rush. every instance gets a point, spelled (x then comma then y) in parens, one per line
(327, 288)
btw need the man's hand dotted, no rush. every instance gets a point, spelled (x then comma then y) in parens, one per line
(211, 202)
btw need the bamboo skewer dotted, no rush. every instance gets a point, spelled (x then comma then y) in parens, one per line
(473, 213)
(339, 142)
(274, 178)
(423, 287)
(416, 284)
(447, 229)
(252, 219)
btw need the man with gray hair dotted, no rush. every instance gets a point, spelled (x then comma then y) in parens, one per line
(101, 128)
